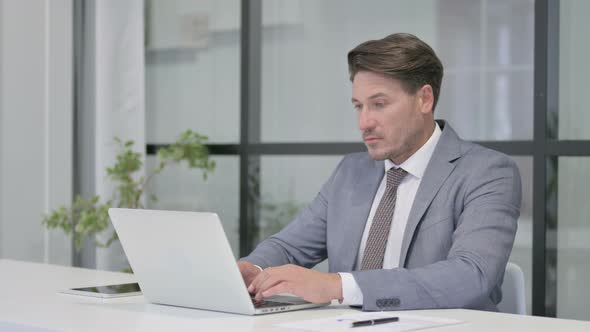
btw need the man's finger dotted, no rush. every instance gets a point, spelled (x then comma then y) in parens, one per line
(259, 296)
(260, 278)
(281, 287)
(269, 282)
(255, 281)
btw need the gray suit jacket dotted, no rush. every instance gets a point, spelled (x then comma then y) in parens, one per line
(458, 238)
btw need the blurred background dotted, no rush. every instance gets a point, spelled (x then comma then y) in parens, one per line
(267, 82)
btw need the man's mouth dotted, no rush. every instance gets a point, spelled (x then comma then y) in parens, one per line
(370, 139)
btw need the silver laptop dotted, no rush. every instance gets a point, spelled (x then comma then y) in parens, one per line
(184, 259)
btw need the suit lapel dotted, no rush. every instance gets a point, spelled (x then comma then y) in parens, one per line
(447, 150)
(361, 200)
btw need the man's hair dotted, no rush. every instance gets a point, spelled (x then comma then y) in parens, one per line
(401, 56)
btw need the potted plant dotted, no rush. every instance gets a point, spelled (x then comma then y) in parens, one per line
(86, 218)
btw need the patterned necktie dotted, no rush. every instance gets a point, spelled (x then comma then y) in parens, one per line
(379, 232)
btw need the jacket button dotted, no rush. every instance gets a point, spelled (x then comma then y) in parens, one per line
(379, 303)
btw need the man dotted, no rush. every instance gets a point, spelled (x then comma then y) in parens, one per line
(423, 220)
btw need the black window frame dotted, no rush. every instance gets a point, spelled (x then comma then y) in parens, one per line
(545, 148)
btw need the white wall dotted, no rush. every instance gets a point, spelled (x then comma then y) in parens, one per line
(35, 126)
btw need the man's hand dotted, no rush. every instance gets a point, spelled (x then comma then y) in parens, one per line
(312, 286)
(249, 271)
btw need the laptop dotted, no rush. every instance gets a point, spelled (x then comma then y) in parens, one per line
(184, 259)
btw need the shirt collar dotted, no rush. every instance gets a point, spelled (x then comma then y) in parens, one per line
(416, 164)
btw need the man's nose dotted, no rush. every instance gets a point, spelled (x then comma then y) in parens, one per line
(365, 120)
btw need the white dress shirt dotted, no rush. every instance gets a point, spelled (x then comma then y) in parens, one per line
(406, 192)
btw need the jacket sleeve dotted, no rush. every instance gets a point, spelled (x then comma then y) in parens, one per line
(481, 245)
(303, 241)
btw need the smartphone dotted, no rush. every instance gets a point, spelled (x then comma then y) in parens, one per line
(108, 291)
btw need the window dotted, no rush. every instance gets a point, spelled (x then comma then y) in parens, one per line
(271, 89)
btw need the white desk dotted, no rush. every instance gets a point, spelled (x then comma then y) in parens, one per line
(28, 296)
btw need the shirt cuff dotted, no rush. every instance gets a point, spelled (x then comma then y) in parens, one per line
(351, 292)
(258, 267)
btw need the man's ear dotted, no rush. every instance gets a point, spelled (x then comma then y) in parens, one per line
(426, 99)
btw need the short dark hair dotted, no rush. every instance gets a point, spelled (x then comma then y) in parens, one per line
(401, 56)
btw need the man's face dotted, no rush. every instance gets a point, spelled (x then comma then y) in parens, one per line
(393, 123)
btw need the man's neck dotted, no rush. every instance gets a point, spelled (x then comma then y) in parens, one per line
(424, 137)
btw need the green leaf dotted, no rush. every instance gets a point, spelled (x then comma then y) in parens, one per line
(85, 218)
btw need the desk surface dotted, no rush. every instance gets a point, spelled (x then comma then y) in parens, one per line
(29, 296)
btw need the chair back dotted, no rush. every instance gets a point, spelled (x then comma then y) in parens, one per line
(513, 291)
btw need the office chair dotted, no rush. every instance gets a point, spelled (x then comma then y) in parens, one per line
(513, 291)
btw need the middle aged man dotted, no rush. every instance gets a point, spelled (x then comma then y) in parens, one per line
(423, 220)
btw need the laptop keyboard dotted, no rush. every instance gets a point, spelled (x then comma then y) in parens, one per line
(267, 304)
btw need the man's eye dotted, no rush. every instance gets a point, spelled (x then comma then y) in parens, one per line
(357, 107)
(379, 105)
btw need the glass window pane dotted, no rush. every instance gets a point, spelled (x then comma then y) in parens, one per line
(522, 253)
(574, 52)
(183, 189)
(573, 234)
(287, 185)
(192, 69)
(486, 47)
(487, 50)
